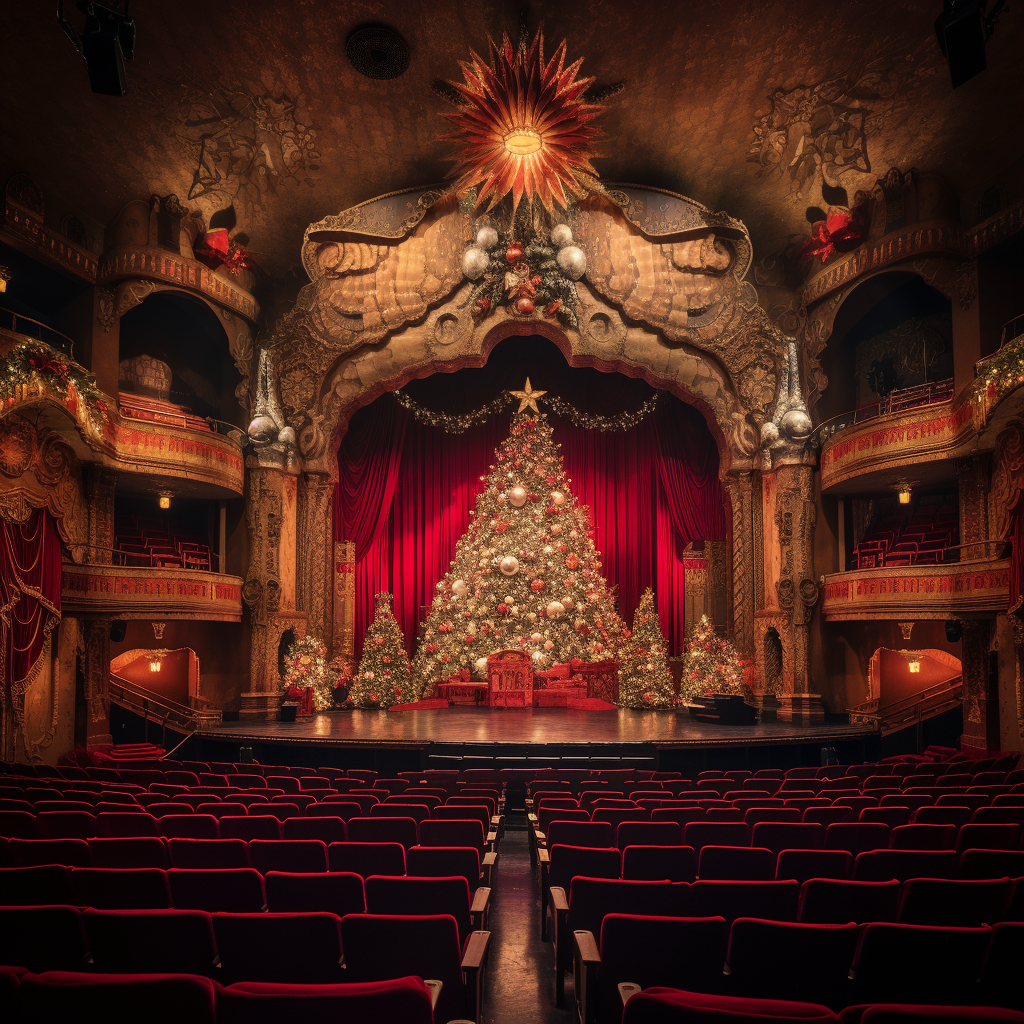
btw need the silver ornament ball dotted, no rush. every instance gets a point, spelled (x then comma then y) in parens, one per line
(769, 433)
(796, 423)
(561, 236)
(487, 237)
(571, 262)
(474, 263)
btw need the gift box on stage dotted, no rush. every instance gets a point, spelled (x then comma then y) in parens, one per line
(600, 677)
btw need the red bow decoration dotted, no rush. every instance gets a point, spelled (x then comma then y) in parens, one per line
(833, 234)
(215, 250)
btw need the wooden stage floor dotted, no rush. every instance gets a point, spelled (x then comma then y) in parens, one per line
(517, 728)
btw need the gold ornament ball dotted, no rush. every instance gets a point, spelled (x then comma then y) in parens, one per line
(555, 609)
(536, 637)
(509, 565)
(459, 587)
(556, 529)
(557, 498)
(518, 496)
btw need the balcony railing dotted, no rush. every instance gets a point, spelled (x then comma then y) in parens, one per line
(29, 328)
(977, 550)
(155, 707)
(932, 393)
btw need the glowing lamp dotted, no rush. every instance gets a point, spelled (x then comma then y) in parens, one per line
(5, 276)
(522, 142)
(914, 666)
(155, 664)
(904, 495)
(165, 501)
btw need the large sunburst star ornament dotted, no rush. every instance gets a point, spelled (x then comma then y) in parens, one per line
(523, 127)
(527, 398)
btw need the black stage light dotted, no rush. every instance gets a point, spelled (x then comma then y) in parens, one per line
(954, 630)
(106, 42)
(118, 629)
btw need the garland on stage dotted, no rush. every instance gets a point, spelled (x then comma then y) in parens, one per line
(526, 574)
(459, 423)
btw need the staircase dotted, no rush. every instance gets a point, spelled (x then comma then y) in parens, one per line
(154, 707)
(917, 707)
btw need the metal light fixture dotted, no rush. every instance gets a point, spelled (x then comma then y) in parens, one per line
(914, 666)
(156, 660)
(905, 629)
(5, 277)
(904, 495)
(165, 499)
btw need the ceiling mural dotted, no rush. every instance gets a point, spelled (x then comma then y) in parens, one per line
(750, 106)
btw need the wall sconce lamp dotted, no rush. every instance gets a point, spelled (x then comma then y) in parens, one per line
(904, 494)
(165, 500)
(5, 277)
(156, 660)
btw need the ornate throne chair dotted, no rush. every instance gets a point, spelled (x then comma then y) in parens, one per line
(509, 680)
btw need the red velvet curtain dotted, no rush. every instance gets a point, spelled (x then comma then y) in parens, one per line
(30, 567)
(1015, 534)
(651, 490)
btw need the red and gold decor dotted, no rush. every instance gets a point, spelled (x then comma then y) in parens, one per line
(308, 678)
(710, 665)
(645, 680)
(383, 675)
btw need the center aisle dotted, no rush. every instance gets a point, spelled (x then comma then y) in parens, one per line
(521, 980)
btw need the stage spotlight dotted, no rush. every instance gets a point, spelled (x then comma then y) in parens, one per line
(963, 28)
(106, 42)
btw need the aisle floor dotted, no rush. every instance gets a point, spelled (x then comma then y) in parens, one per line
(521, 982)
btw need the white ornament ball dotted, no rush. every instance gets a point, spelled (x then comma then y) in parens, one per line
(509, 599)
(459, 587)
(555, 609)
(796, 423)
(532, 616)
(480, 667)
(487, 237)
(287, 436)
(769, 433)
(263, 430)
(571, 262)
(557, 498)
(509, 565)
(536, 637)
(561, 236)
(518, 496)
(540, 658)
(474, 263)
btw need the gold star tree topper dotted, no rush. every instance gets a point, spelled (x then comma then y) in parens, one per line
(527, 398)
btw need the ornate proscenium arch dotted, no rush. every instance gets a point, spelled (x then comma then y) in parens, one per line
(663, 297)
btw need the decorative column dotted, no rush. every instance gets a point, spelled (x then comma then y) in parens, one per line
(974, 484)
(980, 694)
(738, 485)
(315, 535)
(345, 598)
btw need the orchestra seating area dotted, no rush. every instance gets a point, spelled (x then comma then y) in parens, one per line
(921, 537)
(153, 541)
(244, 891)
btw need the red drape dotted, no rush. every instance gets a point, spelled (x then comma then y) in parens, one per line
(651, 490)
(1015, 534)
(30, 566)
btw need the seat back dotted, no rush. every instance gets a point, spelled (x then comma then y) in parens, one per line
(224, 890)
(905, 963)
(657, 863)
(992, 864)
(65, 825)
(189, 826)
(569, 861)
(383, 830)
(292, 855)
(151, 941)
(829, 901)
(401, 810)
(857, 836)
(35, 885)
(121, 888)
(801, 865)
(773, 901)
(976, 836)
(253, 947)
(462, 812)
(43, 938)
(783, 960)
(923, 837)
(208, 853)
(453, 832)
(72, 853)
(878, 865)
(365, 859)
(379, 947)
(778, 836)
(437, 861)
(327, 829)
(736, 862)
(716, 833)
(547, 814)
(648, 833)
(389, 894)
(129, 852)
(954, 902)
(591, 899)
(1000, 974)
(581, 833)
(336, 892)
(250, 826)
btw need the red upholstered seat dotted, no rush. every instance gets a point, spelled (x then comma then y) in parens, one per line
(481, 812)
(43, 938)
(65, 825)
(435, 861)
(379, 947)
(828, 815)
(229, 890)
(327, 829)
(878, 865)
(774, 901)
(72, 853)
(992, 864)
(569, 861)
(736, 862)
(948, 815)
(299, 948)
(149, 941)
(682, 816)
(1000, 974)
(391, 894)
(954, 902)
(30, 886)
(336, 892)
(296, 855)
(905, 963)
(617, 815)
(400, 810)
(189, 826)
(129, 852)
(208, 853)
(776, 960)
(250, 826)
(923, 837)
(582, 833)
(405, 999)
(337, 807)
(548, 814)
(716, 833)
(453, 832)
(990, 836)
(130, 823)
(857, 836)
(670, 1006)
(159, 998)
(367, 859)
(121, 888)
(828, 901)
(648, 833)
(644, 950)
(804, 864)
(655, 863)
(383, 830)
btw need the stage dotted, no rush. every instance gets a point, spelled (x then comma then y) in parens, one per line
(522, 737)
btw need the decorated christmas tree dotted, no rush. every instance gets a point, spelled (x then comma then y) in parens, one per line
(306, 665)
(644, 677)
(710, 664)
(525, 574)
(383, 675)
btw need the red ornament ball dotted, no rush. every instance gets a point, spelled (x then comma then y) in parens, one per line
(524, 305)
(537, 585)
(513, 253)
(535, 280)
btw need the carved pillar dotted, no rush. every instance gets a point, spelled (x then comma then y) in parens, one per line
(315, 537)
(345, 598)
(99, 490)
(796, 593)
(96, 673)
(270, 585)
(973, 478)
(739, 487)
(981, 705)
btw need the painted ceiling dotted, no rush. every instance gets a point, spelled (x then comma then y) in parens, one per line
(748, 106)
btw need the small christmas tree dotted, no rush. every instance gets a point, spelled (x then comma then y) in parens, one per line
(526, 573)
(383, 675)
(710, 664)
(306, 665)
(644, 677)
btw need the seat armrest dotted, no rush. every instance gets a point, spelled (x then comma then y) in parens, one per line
(492, 838)
(627, 989)
(434, 988)
(530, 815)
(559, 910)
(473, 962)
(586, 971)
(540, 836)
(487, 867)
(544, 857)
(543, 863)
(478, 908)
